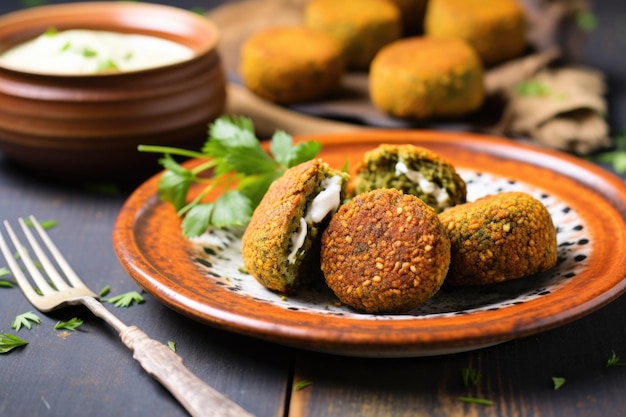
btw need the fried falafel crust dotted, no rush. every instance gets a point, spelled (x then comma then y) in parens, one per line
(377, 170)
(266, 242)
(385, 252)
(498, 238)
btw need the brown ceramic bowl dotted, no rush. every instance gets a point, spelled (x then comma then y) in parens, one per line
(89, 126)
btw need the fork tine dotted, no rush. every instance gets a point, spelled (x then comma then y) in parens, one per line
(51, 271)
(19, 276)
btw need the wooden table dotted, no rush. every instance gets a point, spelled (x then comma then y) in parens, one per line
(90, 373)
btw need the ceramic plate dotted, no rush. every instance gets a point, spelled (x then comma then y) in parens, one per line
(202, 278)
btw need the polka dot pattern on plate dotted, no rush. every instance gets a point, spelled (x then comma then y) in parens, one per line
(219, 253)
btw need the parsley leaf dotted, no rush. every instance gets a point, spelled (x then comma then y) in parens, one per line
(558, 382)
(475, 400)
(235, 170)
(617, 157)
(6, 284)
(25, 319)
(172, 345)
(126, 299)
(9, 342)
(300, 385)
(586, 20)
(614, 360)
(72, 324)
(470, 377)
(104, 291)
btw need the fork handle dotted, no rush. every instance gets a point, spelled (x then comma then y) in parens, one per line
(198, 398)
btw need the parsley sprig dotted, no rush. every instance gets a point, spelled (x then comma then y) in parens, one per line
(9, 342)
(125, 300)
(614, 360)
(233, 166)
(71, 324)
(25, 320)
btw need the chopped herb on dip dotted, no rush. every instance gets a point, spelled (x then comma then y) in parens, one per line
(81, 52)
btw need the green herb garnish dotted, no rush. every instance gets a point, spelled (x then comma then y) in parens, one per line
(45, 224)
(470, 377)
(107, 65)
(87, 52)
(614, 360)
(302, 384)
(558, 382)
(587, 21)
(9, 342)
(233, 163)
(172, 345)
(126, 299)
(475, 400)
(532, 88)
(51, 31)
(104, 291)
(72, 324)
(616, 157)
(26, 320)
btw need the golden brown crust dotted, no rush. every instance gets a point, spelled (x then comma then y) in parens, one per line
(498, 238)
(291, 64)
(423, 78)
(266, 242)
(496, 29)
(385, 252)
(360, 27)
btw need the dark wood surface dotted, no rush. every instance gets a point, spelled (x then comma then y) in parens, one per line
(90, 373)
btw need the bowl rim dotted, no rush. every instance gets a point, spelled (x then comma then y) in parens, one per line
(130, 17)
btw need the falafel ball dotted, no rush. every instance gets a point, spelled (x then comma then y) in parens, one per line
(291, 64)
(498, 238)
(280, 246)
(495, 28)
(385, 252)
(360, 27)
(414, 170)
(423, 78)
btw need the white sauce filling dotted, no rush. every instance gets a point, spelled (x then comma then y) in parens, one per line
(80, 52)
(325, 202)
(427, 186)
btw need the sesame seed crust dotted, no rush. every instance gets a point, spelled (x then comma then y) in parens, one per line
(385, 252)
(498, 238)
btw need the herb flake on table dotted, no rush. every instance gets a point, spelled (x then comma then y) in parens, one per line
(302, 384)
(25, 320)
(232, 162)
(476, 400)
(9, 342)
(558, 382)
(125, 300)
(614, 361)
(104, 291)
(72, 324)
(45, 224)
(470, 377)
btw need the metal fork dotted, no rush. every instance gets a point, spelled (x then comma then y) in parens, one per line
(158, 360)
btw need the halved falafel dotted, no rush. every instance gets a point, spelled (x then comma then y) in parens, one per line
(385, 252)
(498, 238)
(282, 238)
(414, 170)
